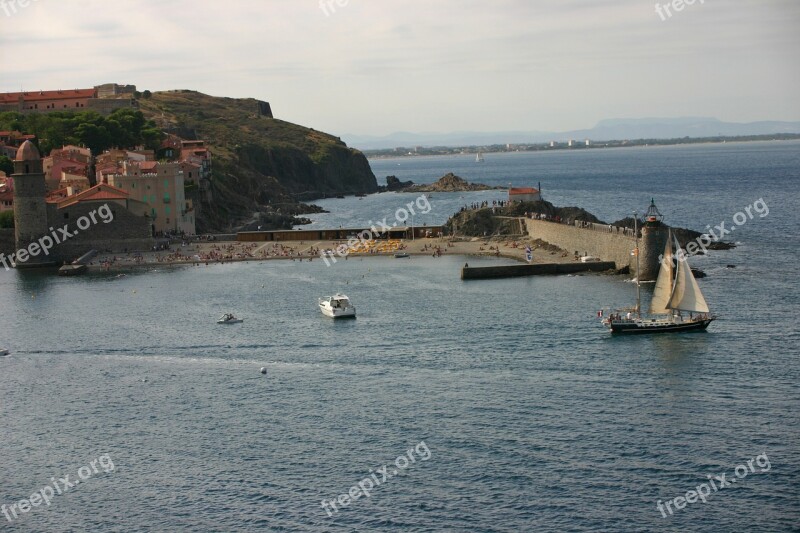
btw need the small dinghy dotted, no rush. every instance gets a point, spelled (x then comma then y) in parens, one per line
(3, 352)
(228, 318)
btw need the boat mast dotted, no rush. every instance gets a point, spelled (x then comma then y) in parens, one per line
(636, 252)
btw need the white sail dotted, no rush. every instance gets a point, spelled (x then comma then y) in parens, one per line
(686, 295)
(663, 290)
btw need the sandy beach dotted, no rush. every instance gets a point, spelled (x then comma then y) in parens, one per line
(217, 252)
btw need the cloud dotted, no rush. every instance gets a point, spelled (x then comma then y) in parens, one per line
(551, 64)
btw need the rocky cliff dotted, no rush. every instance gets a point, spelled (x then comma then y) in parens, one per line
(262, 167)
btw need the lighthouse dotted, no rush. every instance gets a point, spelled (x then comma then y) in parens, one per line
(654, 237)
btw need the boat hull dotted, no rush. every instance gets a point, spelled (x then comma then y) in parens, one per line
(349, 312)
(645, 327)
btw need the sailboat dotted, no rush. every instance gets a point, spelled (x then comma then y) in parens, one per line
(676, 293)
(479, 157)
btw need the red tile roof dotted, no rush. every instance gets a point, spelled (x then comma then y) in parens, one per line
(53, 197)
(101, 191)
(37, 96)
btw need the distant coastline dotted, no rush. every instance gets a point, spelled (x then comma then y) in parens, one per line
(420, 151)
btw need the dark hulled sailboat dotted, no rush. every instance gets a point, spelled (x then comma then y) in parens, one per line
(676, 294)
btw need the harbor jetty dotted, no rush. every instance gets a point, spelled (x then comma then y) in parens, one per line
(513, 271)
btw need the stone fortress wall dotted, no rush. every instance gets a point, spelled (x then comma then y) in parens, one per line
(598, 240)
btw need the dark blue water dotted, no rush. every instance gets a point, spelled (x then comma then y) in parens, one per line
(535, 418)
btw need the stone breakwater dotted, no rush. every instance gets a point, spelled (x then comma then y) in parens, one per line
(608, 243)
(513, 271)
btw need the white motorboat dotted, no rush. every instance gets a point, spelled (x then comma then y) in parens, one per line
(3, 352)
(337, 306)
(229, 318)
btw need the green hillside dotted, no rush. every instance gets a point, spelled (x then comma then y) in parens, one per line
(261, 165)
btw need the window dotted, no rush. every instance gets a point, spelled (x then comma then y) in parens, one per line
(167, 210)
(133, 185)
(166, 184)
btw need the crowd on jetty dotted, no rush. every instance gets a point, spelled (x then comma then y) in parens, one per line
(606, 228)
(483, 205)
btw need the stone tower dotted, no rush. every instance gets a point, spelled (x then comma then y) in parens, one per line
(30, 208)
(654, 238)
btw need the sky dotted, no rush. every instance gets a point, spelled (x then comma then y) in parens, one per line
(381, 66)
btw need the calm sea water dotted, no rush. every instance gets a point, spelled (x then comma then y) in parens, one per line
(535, 418)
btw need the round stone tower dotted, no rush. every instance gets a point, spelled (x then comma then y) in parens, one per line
(651, 246)
(30, 207)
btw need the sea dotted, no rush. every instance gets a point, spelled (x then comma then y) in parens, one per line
(447, 405)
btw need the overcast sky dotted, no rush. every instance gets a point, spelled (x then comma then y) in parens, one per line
(380, 66)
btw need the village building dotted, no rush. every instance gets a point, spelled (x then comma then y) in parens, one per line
(10, 141)
(6, 192)
(103, 193)
(524, 194)
(61, 100)
(160, 186)
(67, 167)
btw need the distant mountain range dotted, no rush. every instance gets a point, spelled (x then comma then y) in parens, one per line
(605, 130)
